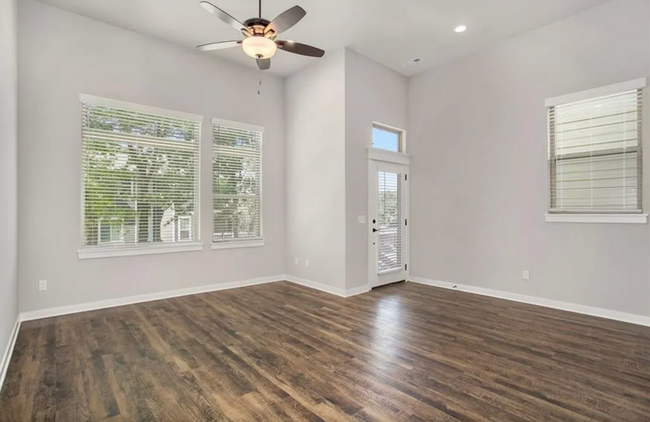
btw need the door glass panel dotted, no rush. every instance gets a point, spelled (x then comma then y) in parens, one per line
(390, 222)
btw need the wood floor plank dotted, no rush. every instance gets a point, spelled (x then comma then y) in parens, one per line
(282, 352)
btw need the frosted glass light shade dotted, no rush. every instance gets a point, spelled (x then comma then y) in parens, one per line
(259, 47)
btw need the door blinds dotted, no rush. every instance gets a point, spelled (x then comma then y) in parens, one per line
(390, 222)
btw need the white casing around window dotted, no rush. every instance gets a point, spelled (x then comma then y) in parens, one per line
(140, 174)
(595, 153)
(397, 136)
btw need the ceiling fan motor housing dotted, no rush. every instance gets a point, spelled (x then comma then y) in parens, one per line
(256, 26)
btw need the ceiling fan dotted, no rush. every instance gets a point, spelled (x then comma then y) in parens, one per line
(260, 35)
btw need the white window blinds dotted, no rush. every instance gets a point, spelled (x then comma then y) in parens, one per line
(140, 175)
(236, 181)
(595, 154)
(390, 222)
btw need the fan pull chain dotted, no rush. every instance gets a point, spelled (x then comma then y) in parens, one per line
(259, 88)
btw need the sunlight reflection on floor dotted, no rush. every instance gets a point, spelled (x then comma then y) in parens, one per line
(387, 325)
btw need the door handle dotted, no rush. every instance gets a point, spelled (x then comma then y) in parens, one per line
(375, 230)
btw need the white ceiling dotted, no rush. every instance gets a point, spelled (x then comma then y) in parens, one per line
(392, 32)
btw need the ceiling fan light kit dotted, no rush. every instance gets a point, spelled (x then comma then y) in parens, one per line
(259, 47)
(260, 35)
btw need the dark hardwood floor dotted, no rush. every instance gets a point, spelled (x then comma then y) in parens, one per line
(284, 352)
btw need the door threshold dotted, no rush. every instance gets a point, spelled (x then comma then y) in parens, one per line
(389, 284)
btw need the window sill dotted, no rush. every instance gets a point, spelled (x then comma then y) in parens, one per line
(235, 244)
(109, 252)
(598, 218)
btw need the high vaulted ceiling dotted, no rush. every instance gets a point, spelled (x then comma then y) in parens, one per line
(391, 32)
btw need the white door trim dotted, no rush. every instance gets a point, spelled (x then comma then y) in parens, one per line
(403, 168)
(377, 154)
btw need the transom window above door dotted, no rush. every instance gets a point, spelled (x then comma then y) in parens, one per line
(386, 138)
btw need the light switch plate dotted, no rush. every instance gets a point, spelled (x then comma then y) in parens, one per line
(361, 219)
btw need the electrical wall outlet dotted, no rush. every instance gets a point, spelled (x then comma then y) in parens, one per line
(306, 263)
(296, 260)
(526, 275)
(42, 285)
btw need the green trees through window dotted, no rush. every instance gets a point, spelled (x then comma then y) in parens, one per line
(140, 175)
(237, 182)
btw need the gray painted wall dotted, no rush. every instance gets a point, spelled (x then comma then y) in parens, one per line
(373, 93)
(330, 110)
(315, 171)
(8, 172)
(63, 55)
(479, 171)
(473, 223)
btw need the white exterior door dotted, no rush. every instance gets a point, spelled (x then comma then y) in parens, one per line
(388, 223)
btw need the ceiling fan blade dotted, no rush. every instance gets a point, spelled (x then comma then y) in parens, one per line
(223, 16)
(286, 20)
(218, 45)
(302, 49)
(264, 64)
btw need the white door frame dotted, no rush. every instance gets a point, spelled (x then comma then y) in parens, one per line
(401, 164)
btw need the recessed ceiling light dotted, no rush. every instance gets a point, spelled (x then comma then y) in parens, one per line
(461, 28)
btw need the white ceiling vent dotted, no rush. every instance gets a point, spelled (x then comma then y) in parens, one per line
(412, 62)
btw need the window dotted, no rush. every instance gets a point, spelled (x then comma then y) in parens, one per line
(140, 175)
(111, 230)
(236, 182)
(390, 221)
(387, 138)
(184, 228)
(595, 156)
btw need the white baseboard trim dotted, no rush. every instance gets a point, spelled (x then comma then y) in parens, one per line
(547, 303)
(6, 357)
(325, 288)
(315, 285)
(357, 291)
(111, 303)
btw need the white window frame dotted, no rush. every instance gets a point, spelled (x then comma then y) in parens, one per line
(604, 218)
(189, 222)
(104, 250)
(110, 242)
(250, 242)
(401, 147)
(380, 154)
